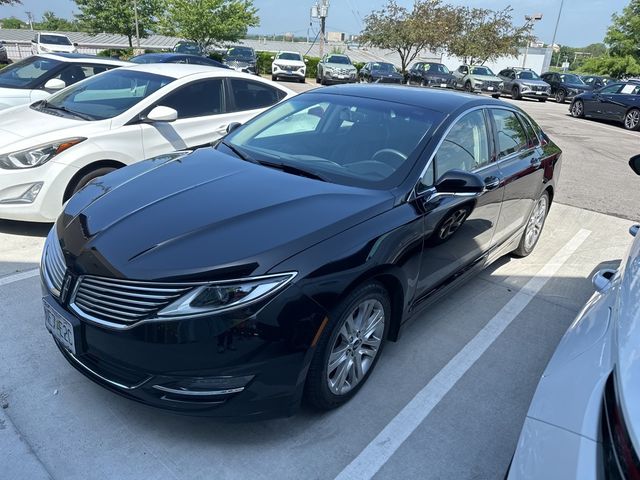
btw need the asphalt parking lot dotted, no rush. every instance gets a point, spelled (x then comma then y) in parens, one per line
(447, 401)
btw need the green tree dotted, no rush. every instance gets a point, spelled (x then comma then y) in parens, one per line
(12, 22)
(9, 2)
(623, 35)
(428, 26)
(117, 16)
(482, 34)
(51, 22)
(210, 22)
(617, 67)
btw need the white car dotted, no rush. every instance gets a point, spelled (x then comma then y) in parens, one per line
(52, 148)
(288, 65)
(584, 420)
(52, 43)
(37, 77)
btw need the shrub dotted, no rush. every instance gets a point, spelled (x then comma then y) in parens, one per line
(121, 53)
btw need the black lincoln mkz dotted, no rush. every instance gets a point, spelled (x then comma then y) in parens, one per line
(236, 280)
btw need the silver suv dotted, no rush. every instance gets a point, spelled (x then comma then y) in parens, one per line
(524, 82)
(334, 68)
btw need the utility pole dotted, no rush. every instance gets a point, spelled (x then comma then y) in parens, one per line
(321, 10)
(530, 19)
(135, 15)
(555, 31)
(30, 18)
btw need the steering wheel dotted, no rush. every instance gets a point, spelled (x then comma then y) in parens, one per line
(390, 156)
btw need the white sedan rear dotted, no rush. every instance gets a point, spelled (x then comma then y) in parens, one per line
(52, 148)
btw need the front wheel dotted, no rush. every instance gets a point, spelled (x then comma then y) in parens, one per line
(632, 119)
(561, 96)
(349, 347)
(468, 87)
(534, 227)
(82, 181)
(542, 100)
(496, 95)
(577, 109)
(515, 93)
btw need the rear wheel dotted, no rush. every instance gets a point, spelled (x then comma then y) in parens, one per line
(515, 93)
(561, 95)
(86, 178)
(534, 227)
(632, 119)
(468, 87)
(577, 109)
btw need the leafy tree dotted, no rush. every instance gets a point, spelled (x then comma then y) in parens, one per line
(623, 36)
(428, 26)
(210, 22)
(617, 67)
(12, 22)
(483, 34)
(9, 2)
(117, 16)
(51, 22)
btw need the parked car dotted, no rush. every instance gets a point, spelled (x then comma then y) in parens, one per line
(619, 102)
(524, 83)
(176, 58)
(334, 68)
(430, 74)
(50, 149)
(242, 59)
(596, 81)
(565, 86)
(583, 420)
(234, 281)
(477, 78)
(379, 72)
(288, 65)
(189, 48)
(52, 43)
(4, 57)
(37, 77)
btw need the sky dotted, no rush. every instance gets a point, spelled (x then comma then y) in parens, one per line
(582, 21)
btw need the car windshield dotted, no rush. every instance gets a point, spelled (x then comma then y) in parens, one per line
(527, 75)
(435, 68)
(570, 78)
(342, 139)
(482, 71)
(147, 58)
(55, 40)
(383, 67)
(187, 48)
(289, 56)
(240, 52)
(106, 96)
(27, 72)
(339, 59)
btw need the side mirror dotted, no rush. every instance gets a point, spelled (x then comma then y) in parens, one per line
(634, 163)
(75, 44)
(161, 114)
(459, 182)
(232, 126)
(55, 84)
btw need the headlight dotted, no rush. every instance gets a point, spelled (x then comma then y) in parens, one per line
(477, 83)
(329, 69)
(226, 295)
(501, 85)
(36, 156)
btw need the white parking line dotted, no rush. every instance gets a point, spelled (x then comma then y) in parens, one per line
(16, 277)
(376, 454)
(590, 122)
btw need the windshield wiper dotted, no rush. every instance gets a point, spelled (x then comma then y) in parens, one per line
(83, 116)
(293, 170)
(238, 153)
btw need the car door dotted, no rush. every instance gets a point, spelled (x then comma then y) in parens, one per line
(551, 79)
(248, 98)
(507, 76)
(460, 75)
(458, 229)
(520, 161)
(414, 74)
(615, 100)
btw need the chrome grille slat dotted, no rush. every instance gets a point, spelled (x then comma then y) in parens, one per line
(106, 303)
(101, 290)
(53, 264)
(102, 295)
(98, 314)
(126, 285)
(93, 306)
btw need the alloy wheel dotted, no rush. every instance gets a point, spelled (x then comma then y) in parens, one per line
(536, 222)
(577, 110)
(632, 120)
(560, 96)
(356, 346)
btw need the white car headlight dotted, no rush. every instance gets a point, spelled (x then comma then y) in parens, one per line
(38, 155)
(226, 295)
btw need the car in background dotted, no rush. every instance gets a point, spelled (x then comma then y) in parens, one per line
(4, 56)
(52, 43)
(584, 420)
(429, 74)
(596, 81)
(52, 148)
(289, 65)
(619, 102)
(235, 281)
(524, 83)
(478, 78)
(190, 48)
(37, 77)
(176, 58)
(379, 72)
(335, 68)
(241, 59)
(565, 86)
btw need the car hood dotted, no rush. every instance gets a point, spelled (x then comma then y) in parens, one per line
(10, 97)
(240, 60)
(339, 66)
(531, 83)
(439, 76)
(291, 63)
(380, 73)
(486, 78)
(577, 86)
(58, 48)
(199, 216)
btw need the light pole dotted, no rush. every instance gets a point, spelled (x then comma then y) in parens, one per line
(530, 20)
(555, 30)
(135, 16)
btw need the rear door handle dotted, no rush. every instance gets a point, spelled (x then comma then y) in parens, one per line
(491, 183)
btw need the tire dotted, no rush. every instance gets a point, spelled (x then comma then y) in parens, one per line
(274, 78)
(321, 390)
(322, 80)
(536, 221)
(577, 109)
(496, 95)
(86, 178)
(632, 119)
(468, 87)
(560, 96)
(542, 100)
(302, 80)
(423, 83)
(515, 93)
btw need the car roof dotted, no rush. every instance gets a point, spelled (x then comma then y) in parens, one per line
(289, 51)
(168, 55)
(434, 99)
(181, 70)
(81, 58)
(54, 34)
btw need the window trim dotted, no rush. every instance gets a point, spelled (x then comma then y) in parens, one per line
(497, 143)
(223, 106)
(230, 103)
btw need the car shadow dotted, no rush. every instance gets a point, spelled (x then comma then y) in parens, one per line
(27, 229)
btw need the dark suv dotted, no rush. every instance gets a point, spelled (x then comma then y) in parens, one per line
(429, 74)
(242, 59)
(565, 86)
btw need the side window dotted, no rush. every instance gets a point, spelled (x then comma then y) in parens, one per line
(611, 89)
(466, 146)
(534, 141)
(75, 72)
(196, 99)
(512, 75)
(512, 137)
(249, 95)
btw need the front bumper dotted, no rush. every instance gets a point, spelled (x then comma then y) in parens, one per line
(491, 89)
(284, 73)
(340, 77)
(535, 94)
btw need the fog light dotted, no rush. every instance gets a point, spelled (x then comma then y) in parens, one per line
(205, 386)
(21, 194)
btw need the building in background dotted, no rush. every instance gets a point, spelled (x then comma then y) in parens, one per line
(336, 36)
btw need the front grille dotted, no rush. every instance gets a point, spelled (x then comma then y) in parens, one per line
(53, 265)
(122, 301)
(538, 88)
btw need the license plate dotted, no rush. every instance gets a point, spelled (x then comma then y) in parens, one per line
(539, 93)
(341, 76)
(443, 85)
(60, 327)
(489, 88)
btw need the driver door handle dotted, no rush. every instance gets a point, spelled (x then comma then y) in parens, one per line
(491, 183)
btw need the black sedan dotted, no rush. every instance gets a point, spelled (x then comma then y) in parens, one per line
(176, 58)
(239, 279)
(430, 74)
(565, 86)
(619, 102)
(379, 72)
